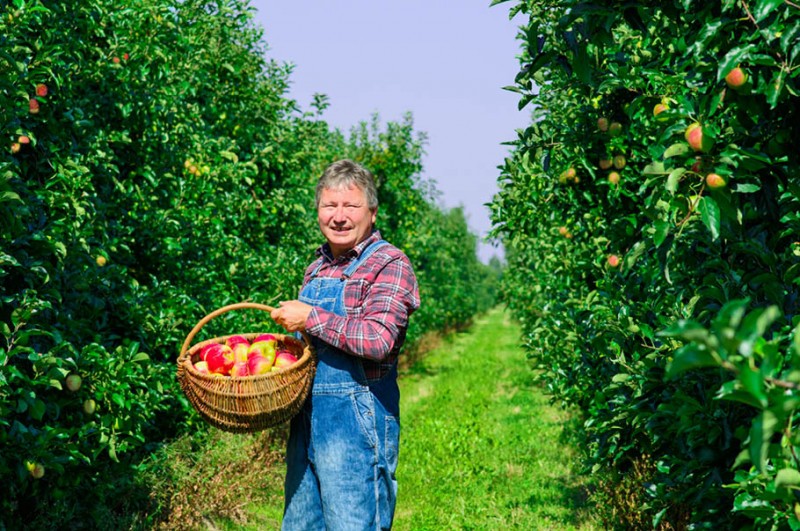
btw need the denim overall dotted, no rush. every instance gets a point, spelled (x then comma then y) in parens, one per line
(342, 450)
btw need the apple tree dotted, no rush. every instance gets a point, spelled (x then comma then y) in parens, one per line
(650, 217)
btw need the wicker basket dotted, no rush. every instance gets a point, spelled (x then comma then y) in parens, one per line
(250, 403)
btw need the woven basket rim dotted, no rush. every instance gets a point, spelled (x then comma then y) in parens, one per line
(247, 403)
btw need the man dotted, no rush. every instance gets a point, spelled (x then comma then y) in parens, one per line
(355, 303)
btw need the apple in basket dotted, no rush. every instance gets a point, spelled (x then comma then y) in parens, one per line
(265, 337)
(240, 369)
(219, 359)
(201, 367)
(258, 364)
(283, 359)
(263, 348)
(240, 346)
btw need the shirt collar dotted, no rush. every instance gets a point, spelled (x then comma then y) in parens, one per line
(324, 250)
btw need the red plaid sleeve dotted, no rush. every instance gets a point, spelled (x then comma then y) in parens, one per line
(379, 298)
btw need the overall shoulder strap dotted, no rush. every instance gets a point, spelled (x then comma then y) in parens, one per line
(361, 259)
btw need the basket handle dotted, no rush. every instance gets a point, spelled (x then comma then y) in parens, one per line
(225, 309)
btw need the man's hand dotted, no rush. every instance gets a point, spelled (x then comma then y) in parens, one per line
(291, 315)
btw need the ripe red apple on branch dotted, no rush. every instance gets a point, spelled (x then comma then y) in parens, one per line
(736, 78)
(715, 181)
(697, 139)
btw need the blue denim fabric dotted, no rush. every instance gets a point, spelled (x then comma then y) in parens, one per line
(342, 451)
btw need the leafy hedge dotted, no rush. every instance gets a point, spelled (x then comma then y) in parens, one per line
(154, 169)
(656, 275)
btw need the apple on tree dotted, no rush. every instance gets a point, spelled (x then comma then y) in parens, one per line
(74, 382)
(89, 406)
(697, 139)
(35, 469)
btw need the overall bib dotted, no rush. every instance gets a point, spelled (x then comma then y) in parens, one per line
(342, 450)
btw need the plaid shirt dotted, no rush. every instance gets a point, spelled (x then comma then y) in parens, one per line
(379, 298)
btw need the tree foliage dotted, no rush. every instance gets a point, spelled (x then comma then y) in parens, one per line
(660, 300)
(153, 169)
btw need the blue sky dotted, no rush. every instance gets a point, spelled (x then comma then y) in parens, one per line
(444, 61)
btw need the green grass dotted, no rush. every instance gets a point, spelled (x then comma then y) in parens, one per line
(481, 447)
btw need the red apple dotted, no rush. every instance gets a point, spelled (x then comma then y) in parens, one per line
(15, 147)
(283, 359)
(202, 367)
(613, 260)
(240, 369)
(74, 382)
(126, 56)
(240, 351)
(697, 140)
(24, 139)
(602, 123)
(234, 340)
(208, 348)
(258, 364)
(736, 78)
(613, 177)
(220, 360)
(41, 90)
(36, 470)
(115, 60)
(605, 164)
(263, 348)
(659, 108)
(265, 337)
(563, 231)
(33, 106)
(714, 180)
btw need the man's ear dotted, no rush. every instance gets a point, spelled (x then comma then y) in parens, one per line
(374, 214)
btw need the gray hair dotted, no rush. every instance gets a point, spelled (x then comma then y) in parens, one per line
(342, 174)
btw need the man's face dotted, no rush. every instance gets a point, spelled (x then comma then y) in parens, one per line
(344, 218)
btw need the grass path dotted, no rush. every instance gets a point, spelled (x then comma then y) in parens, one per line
(481, 447)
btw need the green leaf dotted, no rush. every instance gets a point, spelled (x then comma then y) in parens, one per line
(37, 409)
(709, 213)
(763, 8)
(674, 178)
(733, 58)
(688, 357)
(761, 431)
(674, 150)
(118, 400)
(775, 87)
(747, 188)
(654, 168)
(753, 382)
(787, 477)
(661, 232)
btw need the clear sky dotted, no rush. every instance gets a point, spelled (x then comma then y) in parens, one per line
(445, 61)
